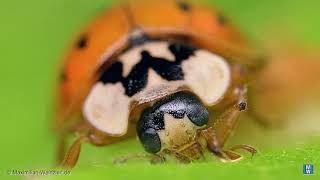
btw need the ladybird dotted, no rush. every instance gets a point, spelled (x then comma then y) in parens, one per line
(172, 73)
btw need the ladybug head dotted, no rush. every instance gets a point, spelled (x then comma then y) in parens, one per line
(171, 122)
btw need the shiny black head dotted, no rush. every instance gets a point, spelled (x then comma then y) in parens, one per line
(178, 105)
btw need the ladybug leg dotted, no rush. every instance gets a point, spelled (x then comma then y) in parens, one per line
(233, 156)
(245, 147)
(220, 130)
(78, 128)
(189, 152)
(213, 144)
(72, 155)
(226, 122)
(93, 137)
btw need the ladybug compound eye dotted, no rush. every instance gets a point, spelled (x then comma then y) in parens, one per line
(150, 140)
(171, 121)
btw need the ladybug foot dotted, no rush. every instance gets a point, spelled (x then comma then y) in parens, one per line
(245, 147)
(231, 156)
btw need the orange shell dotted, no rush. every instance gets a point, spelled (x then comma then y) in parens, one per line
(109, 33)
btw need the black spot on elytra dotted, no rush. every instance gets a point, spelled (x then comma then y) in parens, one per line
(184, 6)
(63, 77)
(82, 42)
(222, 20)
(138, 76)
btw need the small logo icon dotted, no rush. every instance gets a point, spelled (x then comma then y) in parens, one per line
(308, 169)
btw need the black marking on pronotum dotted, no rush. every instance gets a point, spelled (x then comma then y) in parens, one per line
(138, 76)
(82, 42)
(178, 105)
(113, 74)
(184, 6)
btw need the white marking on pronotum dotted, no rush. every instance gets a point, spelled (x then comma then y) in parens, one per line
(106, 108)
(208, 75)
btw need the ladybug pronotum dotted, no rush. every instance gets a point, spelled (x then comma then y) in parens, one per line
(172, 73)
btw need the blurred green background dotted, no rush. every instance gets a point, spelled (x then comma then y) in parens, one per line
(34, 35)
